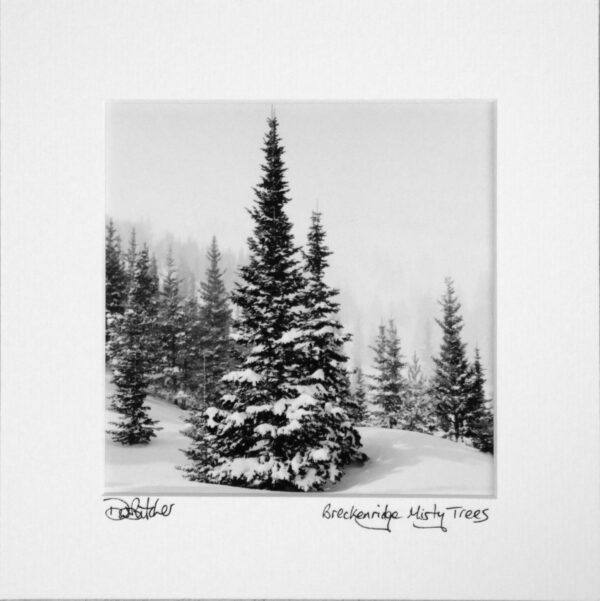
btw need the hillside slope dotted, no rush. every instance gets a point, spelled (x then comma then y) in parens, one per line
(399, 463)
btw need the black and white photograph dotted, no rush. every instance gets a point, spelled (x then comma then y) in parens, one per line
(300, 298)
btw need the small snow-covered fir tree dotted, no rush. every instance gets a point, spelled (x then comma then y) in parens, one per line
(215, 317)
(480, 419)
(268, 430)
(451, 382)
(418, 411)
(388, 384)
(131, 359)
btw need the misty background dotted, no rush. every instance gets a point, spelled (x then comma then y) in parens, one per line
(406, 190)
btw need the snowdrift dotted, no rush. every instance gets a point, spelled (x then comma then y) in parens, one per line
(400, 463)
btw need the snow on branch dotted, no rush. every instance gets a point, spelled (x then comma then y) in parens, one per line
(290, 336)
(246, 375)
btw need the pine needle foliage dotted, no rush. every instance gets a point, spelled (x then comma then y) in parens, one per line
(451, 378)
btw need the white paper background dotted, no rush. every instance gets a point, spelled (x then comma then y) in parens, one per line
(62, 60)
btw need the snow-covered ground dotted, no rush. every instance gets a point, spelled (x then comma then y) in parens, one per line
(399, 463)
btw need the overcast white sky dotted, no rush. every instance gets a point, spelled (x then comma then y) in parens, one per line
(406, 192)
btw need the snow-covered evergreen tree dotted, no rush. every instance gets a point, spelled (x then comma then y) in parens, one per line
(215, 317)
(170, 327)
(418, 411)
(388, 383)
(131, 259)
(208, 331)
(322, 342)
(451, 379)
(376, 386)
(131, 356)
(268, 429)
(361, 415)
(191, 347)
(115, 284)
(480, 419)
(145, 290)
(155, 286)
(116, 280)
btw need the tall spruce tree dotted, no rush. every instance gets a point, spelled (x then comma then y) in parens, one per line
(452, 378)
(116, 280)
(418, 411)
(322, 342)
(215, 317)
(267, 431)
(388, 385)
(131, 359)
(480, 420)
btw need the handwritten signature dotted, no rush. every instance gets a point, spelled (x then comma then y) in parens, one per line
(120, 509)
